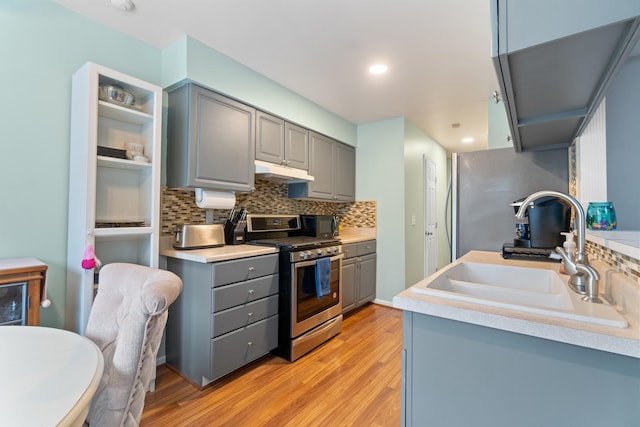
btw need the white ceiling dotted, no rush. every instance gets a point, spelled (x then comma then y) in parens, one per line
(438, 52)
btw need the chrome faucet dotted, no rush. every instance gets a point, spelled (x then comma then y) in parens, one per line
(584, 278)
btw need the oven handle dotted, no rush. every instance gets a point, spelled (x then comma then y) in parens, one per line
(308, 263)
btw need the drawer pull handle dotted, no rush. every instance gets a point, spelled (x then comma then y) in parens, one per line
(250, 343)
(251, 291)
(251, 268)
(250, 314)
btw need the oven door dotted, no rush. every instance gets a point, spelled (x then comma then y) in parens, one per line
(307, 310)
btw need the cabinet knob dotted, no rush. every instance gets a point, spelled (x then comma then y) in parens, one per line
(251, 269)
(250, 343)
(251, 292)
(250, 314)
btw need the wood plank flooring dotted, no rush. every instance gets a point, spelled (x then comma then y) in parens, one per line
(351, 380)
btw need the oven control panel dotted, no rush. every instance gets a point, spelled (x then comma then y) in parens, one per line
(311, 254)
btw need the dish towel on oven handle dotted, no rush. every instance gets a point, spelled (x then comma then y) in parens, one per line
(323, 277)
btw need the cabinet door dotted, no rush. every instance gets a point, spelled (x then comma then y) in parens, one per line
(296, 146)
(321, 167)
(223, 142)
(210, 141)
(366, 278)
(348, 284)
(270, 145)
(345, 164)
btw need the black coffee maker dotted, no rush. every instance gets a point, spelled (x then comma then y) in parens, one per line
(538, 233)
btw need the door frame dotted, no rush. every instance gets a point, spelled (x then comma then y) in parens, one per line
(430, 261)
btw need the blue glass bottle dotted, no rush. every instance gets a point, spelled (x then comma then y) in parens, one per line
(601, 216)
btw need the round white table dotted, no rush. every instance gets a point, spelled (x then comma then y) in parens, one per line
(48, 376)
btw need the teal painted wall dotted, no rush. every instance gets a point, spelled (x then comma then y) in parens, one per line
(41, 45)
(417, 144)
(223, 74)
(380, 177)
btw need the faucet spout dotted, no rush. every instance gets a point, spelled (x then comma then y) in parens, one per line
(584, 278)
(579, 220)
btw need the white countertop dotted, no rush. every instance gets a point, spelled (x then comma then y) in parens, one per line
(356, 234)
(625, 341)
(223, 253)
(624, 242)
(49, 376)
(229, 252)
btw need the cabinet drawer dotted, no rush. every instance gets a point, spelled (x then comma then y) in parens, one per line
(244, 269)
(241, 293)
(235, 349)
(244, 315)
(350, 250)
(367, 247)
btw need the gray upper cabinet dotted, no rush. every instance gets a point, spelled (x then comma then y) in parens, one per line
(281, 142)
(332, 164)
(296, 146)
(554, 61)
(322, 167)
(210, 140)
(269, 138)
(345, 185)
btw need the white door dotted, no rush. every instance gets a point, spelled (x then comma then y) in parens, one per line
(430, 217)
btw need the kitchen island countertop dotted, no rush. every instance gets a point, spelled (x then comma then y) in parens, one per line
(614, 340)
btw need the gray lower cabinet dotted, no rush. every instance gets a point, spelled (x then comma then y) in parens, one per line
(210, 140)
(459, 374)
(281, 142)
(225, 317)
(333, 165)
(358, 274)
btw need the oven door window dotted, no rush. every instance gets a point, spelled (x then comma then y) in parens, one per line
(307, 302)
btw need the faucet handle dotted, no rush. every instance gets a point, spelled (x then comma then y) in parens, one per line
(569, 266)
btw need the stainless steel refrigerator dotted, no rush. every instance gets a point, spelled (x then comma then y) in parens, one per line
(484, 183)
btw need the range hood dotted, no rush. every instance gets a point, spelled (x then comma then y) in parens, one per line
(279, 173)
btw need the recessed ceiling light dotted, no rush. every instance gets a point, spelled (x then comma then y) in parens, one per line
(126, 5)
(467, 140)
(378, 69)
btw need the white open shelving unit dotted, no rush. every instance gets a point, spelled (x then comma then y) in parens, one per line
(114, 204)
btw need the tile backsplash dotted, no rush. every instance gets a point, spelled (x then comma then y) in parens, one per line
(626, 265)
(179, 207)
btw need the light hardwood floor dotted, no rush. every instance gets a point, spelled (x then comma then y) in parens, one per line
(351, 380)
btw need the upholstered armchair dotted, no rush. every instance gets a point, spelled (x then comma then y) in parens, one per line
(126, 322)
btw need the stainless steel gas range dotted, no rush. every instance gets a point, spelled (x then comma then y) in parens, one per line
(310, 299)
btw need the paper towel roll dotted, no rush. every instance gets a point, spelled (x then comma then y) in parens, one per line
(207, 199)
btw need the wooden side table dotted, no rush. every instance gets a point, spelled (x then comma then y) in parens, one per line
(28, 272)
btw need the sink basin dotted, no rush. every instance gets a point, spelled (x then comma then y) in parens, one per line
(532, 290)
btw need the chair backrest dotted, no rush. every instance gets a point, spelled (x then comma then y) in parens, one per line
(126, 322)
